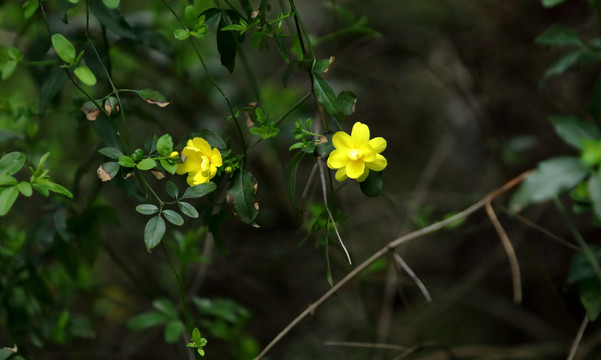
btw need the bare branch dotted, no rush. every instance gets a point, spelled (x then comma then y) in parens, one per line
(391, 245)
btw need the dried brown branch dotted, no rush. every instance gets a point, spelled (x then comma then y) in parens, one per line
(391, 245)
(578, 338)
(513, 260)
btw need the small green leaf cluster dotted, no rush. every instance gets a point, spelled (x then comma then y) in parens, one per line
(262, 125)
(156, 227)
(565, 37)
(165, 314)
(66, 51)
(10, 187)
(195, 24)
(198, 342)
(9, 59)
(157, 151)
(302, 131)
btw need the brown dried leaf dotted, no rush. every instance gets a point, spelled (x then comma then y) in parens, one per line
(103, 174)
(158, 174)
(158, 103)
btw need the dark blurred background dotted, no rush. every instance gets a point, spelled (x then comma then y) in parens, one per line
(453, 86)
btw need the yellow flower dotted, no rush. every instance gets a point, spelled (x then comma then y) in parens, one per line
(200, 162)
(356, 154)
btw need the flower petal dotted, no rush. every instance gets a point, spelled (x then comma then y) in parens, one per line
(341, 174)
(378, 144)
(202, 145)
(342, 140)
(368, 152)
(354, 169)
(190, 165)
(364, 176)
(360, 134)
(378, 164)
(337, 159)
(216, 158)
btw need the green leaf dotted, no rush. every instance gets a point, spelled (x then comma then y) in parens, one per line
(8, 196)
(127, 161)
(347, 100)
(320, 66)
(154, 231)
(326, 97)
(226, 46)
(43, 186)
(111, 152)
(147, 209)
(173, 217)
(372, 185)
(573, 131)
(64, 48)
(11, 163)
(296, 159)
(172, 189)
(111, 4)
(590, 296)
(113, 20)
(191, 16)
(150, 144)
(173, 331)
(559, 35)
(8, 68)
(181, 34)
(7, 180)
(199, 190)
(196, 336)
(242, 197)
(165, 145)
(187, 209)
(581, 267)
(561, 65)
(25, 188)
(551, 178)
(166, 307)
(551, 3)
(146, 164)
(212, 138)
(86, 75)
(146, 320)
(30, 7)
(153, 97)
(169, 166)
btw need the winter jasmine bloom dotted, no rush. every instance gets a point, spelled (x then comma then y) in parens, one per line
(200, 161)
(356, 154)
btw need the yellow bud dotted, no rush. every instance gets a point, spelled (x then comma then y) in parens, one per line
(228, 170)
(174, 155)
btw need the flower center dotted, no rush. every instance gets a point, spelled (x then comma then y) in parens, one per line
(354, 154)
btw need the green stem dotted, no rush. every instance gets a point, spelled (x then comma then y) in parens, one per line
(124, 137)
(182, 289)
(588, 253)
(300, 27)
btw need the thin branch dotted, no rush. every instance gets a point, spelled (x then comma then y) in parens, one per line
(366, 345)
(411, 274)
(325, 201)
(578, 338)
(513, 260)
(391, 245)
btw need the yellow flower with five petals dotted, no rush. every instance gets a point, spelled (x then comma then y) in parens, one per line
(200, 161)
(356, 154)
